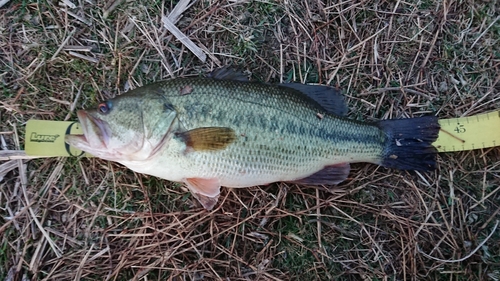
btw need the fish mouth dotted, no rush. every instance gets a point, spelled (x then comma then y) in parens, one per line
(96, 133)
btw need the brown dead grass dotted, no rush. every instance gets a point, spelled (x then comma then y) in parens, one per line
(72, 219)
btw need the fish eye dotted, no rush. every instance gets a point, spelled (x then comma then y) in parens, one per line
(104, 107)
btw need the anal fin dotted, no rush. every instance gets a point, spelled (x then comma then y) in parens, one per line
(206, 191)
(329, 175)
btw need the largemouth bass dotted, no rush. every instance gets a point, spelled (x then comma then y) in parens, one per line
(221, 131)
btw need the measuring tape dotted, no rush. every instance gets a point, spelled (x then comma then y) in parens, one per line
(46, 138)
(468, 133)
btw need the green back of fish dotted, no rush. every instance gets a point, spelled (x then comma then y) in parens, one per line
(275, 126)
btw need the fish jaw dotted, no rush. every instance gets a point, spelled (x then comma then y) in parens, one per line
(107, 138)
(95, 137)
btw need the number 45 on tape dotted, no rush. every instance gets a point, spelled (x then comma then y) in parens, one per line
(468, 133)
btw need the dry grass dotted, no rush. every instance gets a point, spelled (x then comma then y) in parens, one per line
(71, 219)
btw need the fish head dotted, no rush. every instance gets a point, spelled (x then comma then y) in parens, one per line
(126, 128)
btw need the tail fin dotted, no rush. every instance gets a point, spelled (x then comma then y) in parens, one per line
(409, 146)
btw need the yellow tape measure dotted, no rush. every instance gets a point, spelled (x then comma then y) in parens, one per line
(468, 133)
(46, 138)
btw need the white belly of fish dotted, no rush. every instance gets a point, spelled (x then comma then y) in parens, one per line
(237, 176)
(232, 168)
(230, 172)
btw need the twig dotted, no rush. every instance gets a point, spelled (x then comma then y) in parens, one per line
(63, 44)
(88, 23)
(480, 101)
(436, 35)
(484, 198)
(16, 154)
(24, 185)
(73, 104)
(157, 46)
(482, 33)
(179, 8)
(7, 167)
(395, 89)
(184, 39)
(78, 55)
(82, 263)
(366, 40)
(3, 2)
(467, 256)
(111, 8)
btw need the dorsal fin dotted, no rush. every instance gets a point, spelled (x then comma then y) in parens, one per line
(329, 98)
(228, 73)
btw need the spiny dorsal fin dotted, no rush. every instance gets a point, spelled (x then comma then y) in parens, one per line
(228, 73)
(330, 98)
(208, 138)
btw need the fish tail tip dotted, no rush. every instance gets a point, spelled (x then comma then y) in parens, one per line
(409, 144)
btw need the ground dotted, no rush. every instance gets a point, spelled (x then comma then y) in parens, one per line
(89, 219)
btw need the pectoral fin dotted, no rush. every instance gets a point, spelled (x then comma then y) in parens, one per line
(329, 175)
(208, 138)
(205, 190)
